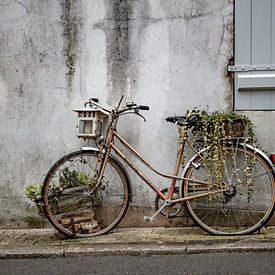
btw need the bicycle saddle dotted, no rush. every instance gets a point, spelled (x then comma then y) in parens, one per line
(180, 120)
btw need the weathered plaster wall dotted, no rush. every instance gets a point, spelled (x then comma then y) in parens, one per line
(36, 95)
(171, 55)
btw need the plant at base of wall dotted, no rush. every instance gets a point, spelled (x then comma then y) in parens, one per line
(67, 179)
(34, 191)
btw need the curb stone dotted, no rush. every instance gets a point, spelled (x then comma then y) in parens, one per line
(142, 241)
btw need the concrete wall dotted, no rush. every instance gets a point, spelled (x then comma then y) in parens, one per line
(171, 55)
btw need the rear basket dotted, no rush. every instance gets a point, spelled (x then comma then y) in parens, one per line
(234, 128)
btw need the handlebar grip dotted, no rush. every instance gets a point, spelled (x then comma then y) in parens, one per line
(91, 100)
(143, 107)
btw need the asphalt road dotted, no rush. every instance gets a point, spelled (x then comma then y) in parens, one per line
(211, 263)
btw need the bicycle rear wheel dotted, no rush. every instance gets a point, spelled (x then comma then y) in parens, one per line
(245, 201)
(72, 203)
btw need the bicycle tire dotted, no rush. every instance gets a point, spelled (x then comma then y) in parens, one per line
(79, 209)
(247, 202)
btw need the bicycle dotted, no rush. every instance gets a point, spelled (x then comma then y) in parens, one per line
(99, 190)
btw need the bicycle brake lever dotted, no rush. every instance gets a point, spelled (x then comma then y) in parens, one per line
(137, 113)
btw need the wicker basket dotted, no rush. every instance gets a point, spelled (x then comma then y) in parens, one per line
(234, 128)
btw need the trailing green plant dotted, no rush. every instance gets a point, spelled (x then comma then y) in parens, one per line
(217, 132)
(216, 128)
(220, 125)
(34, 191)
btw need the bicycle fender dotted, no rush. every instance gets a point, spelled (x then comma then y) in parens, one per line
(89, 149)
(262, 154)
(252, 148)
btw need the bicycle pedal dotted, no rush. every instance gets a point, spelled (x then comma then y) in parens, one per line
(149, 219)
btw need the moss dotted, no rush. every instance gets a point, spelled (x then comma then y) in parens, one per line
(35, 221)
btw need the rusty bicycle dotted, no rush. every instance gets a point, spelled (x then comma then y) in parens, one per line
(86, 193)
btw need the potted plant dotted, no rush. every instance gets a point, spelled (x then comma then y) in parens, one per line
(218, 126)
(68, 179)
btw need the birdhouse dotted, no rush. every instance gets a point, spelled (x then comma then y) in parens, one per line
(90, 122)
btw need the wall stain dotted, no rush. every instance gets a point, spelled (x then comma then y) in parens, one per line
(116, 25)
(139, 21)
(185, 10)
(20, 91)
(72, 23)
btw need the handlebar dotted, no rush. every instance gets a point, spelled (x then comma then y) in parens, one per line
(94, 101)
(130, 106)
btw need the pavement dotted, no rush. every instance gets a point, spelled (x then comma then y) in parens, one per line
(38, 243)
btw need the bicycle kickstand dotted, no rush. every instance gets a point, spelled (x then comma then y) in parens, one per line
(152, 218)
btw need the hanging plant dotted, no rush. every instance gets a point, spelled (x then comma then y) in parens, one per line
(217, 132)
(220, 127)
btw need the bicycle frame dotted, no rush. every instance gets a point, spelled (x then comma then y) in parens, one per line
(108, 145)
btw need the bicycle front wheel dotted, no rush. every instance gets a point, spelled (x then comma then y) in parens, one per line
(72, 203)
(244, 186)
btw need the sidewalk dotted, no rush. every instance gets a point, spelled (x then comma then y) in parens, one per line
(31, 243)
